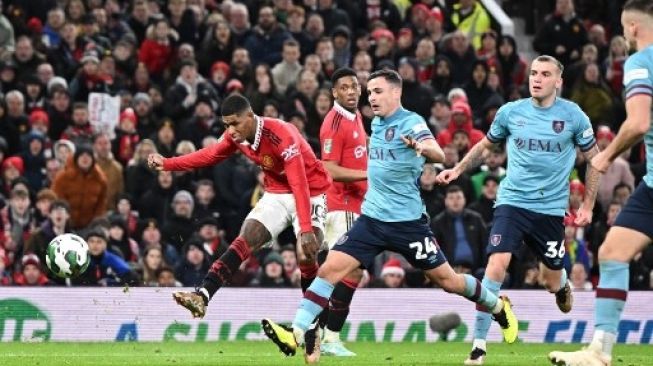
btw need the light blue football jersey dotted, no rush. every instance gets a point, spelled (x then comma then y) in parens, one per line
(393, 169)
(638, 79)
(541, 148)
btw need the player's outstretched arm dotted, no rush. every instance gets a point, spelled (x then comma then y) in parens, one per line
(636, 125)
(584, 215)
(473, 158)
(342, 174)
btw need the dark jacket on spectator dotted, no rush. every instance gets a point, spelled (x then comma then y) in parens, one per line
(475, 232)
(266, 47)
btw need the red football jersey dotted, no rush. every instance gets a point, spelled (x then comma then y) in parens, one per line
(344, 141)
(289, 164)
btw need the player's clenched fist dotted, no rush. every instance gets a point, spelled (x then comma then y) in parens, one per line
(155, 161)
(310, 246)
(446, 176)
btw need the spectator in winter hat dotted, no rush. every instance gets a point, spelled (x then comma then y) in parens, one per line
(12, 168)
(392, 275)
(31, 273)
(39, 121)
(461, 119)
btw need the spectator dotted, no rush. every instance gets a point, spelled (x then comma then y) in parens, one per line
(139, 19)
(89, 79)
(429, 191)
(138, 177)
(332, 15)
(120, 243)
(618, 172)
(182, 96)
(575, 248)
(290, 266)
(511, 67)
(12, 168)
(599, 231)
(461, 233)
(578, 278)
(489, 47)
(111, 168)
(392, 275)
(493, 166)
(451, 158)
(471, 18)
(65, 58)
(182, 20)
(441, 80)
(81, 174)
(477, 90)
(212, 236)
(26, 58)
(179, 227)
(562, 34)
(384, 48)
(218, 45)
(7, 40)
(614, 64)
(150, 235)
(156, 201)
(266, 41)
(272, 274)
(385, 11)
(287, 71)
(34, 160)
(262, 89)
(156, 51)
(596, 36)
(16, 112)
(203, 123)
(440, 114)
(572, 74)
(166, 278)
(165, 139)
(462, 55)
(593, 95)
(80, 131)
(106, 268)
(415, 96)
(44, 199)
(152, 262)
(194, 264)
(8, 130)
(621, 193)
(31, 273)
(205, 202)
(461, 119)
(59, 112)
(239, 21)
(485, 203)
(17, 222)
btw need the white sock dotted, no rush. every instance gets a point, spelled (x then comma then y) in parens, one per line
(299, 335)
(604, 341)
(498, 307)
(480, 343)
(331, 336)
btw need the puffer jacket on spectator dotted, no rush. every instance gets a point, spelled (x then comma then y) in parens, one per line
(445, 137)
(85, 191)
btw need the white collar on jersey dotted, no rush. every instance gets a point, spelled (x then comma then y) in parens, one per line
(340, 109)
(259, 132)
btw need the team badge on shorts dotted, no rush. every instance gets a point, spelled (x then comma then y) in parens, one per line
(495, 239)
(342, 240)
(558, 126)
(389, 134)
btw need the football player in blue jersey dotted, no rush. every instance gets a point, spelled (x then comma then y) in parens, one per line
(393, 218)
(541, 133)
(633, 228)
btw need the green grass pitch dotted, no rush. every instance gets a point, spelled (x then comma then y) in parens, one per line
(265, 353)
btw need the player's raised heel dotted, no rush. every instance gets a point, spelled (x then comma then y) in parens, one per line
(476, 357)
(565, 298)
(281, 335)
(192, 301)
(507, 320)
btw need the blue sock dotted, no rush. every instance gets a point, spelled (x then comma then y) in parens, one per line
(563, 279)
(315, 299)
(483, 316)
(476, 292)
(611, 295)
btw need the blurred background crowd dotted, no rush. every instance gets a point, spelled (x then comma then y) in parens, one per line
(172, 62)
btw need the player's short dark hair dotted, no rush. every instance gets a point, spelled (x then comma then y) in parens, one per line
(341, 73)
(235, 104)
(551, 59)
(644, 6)
(390, 76)
(454, 189)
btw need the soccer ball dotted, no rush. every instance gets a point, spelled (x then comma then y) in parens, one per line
(67, 256)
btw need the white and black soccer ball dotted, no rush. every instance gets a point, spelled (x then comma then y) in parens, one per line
(67, 256)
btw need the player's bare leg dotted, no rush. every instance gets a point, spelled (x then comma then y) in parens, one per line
(619, 248)
(253, 235)
(556, 282)
(316, 298)
(471, 288)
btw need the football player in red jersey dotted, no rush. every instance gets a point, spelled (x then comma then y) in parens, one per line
(295, 185)
(344, 154)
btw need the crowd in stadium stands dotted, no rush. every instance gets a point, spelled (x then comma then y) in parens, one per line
(171, 63)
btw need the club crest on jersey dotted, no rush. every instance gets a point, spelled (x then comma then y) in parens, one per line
(495, 240)
(558, 126)
(389, 134)
(267, 162)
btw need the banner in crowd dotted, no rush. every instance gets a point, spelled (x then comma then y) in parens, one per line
(103, 112)
(150, 314)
